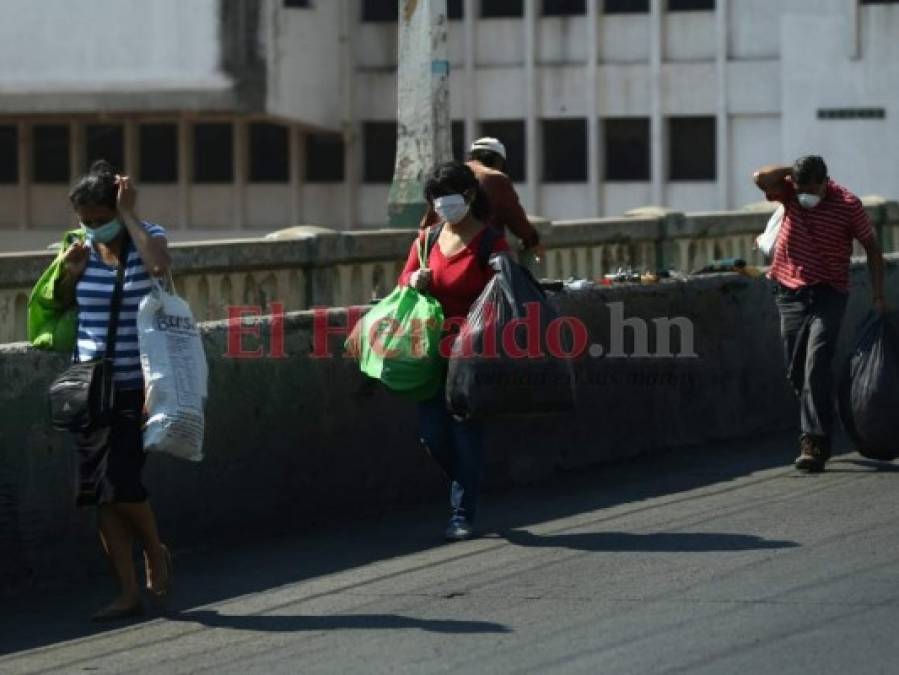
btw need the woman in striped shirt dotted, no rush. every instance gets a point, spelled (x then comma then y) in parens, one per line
(110, 459)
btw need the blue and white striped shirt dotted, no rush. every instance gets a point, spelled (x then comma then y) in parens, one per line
(93, 294)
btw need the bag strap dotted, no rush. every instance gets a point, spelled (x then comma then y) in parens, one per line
(485, 246)
(116, 303)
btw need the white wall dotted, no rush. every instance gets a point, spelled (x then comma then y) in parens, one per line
(624, 38)
(303, 62)
(562, 40)
(756, 141)
(70, 45)
(689, 36)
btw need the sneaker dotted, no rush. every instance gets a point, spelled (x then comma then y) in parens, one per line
(458, 529)
(814, 451)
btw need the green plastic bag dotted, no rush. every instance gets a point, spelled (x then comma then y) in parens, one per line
(398, 342)
(51, 326)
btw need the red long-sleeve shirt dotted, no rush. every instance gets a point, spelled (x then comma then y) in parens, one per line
(457, 280)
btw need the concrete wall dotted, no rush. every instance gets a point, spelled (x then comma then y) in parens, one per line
(295, 442)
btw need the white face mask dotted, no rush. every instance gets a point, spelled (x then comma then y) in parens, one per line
(451, 208)
(808, 201)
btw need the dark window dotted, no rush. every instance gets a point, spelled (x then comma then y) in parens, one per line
(324, 158)
(214, 153)
(690, 5)
(626, 6)
(626, 148)
(380, 10)
(851, 113)
(50, 145)
(269, 153)
(9, 154)
(564, 7)
(692, 148)
(455, 9)
(159, 153)
(303, 4)
(458, 133)
(512, 134)
(879, 2)
(494, 9)
(379, 151)
(564, 151)
(105, 141)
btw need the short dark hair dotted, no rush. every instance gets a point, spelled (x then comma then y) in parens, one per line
(97, 187)
(488, 158)
(456, 178)
(809, 169)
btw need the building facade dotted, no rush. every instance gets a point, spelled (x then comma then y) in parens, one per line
(238, 117)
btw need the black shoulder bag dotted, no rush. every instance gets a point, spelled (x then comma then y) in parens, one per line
(82, 398)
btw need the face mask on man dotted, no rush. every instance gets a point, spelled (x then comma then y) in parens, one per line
(103, 234)
(808, 201)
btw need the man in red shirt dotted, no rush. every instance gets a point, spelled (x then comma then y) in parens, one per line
(810, 270)
(487, 158)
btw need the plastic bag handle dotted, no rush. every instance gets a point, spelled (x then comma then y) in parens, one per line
(169, 286)
(423, 239)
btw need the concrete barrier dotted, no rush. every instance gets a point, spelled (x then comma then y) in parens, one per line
(297, 441)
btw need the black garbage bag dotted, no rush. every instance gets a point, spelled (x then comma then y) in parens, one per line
(512, 355)
(869, 389)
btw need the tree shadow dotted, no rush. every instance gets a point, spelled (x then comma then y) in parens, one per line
(299, 623)
(654, 542)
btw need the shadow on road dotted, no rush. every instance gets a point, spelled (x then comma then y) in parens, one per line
(659, 542)
(297, 623)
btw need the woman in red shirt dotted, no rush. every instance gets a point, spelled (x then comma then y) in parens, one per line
(455, 275)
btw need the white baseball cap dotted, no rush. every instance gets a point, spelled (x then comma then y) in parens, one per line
(491, 144)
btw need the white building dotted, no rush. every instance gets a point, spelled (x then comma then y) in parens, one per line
(242, 116)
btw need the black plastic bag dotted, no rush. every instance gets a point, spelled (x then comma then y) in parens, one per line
(512, 355)
(869, 390)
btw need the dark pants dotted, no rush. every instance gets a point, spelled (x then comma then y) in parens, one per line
(810, 321)
(458, 447)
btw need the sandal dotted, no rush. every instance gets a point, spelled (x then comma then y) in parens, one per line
(160, 596)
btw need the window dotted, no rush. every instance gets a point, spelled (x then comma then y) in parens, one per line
(324, 158)
(158, 153)
(626, 149)
(455, 10)
(380, 10)
(379, 151)
(564, 151)
(497, 9)
(512, 134)
(458, 133)
(269, 153)
(626, 6)
(880, 2)
(851, 114)
(564, 7)
(692, 148)
(299, 4)
(9, 154)
(50, 145)
(214, 153)
(105, 141)
(690, 5)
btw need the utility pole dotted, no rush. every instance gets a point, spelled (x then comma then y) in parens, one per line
(423, 116)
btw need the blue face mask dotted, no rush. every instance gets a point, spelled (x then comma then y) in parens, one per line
(104, 233)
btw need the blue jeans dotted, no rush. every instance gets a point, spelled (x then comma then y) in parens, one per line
(459, 449)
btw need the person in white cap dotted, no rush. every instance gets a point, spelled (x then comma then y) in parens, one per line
(487, 158)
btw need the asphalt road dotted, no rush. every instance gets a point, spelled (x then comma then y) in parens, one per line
(713, 560)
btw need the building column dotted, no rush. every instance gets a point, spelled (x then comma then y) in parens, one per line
(241, 152)
(853, 26)
(131, 150)
(469, 24)
(657, 135)
(594, 128)
(532, 95)
(24, 132)
(722, 116)
(352, 161)
(185, 170)
(297, 173)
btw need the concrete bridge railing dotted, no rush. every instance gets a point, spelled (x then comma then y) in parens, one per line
(306, 267)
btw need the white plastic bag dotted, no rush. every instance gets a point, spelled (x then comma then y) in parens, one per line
(767, 241)
(175, 373)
